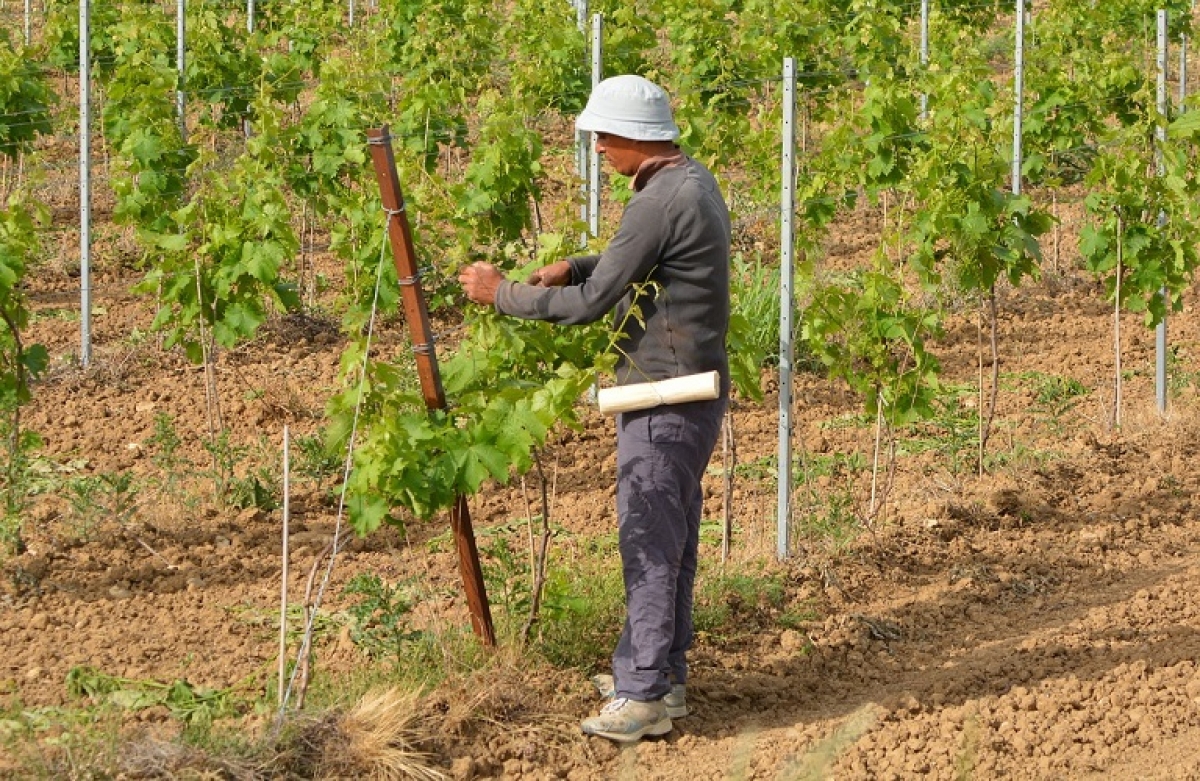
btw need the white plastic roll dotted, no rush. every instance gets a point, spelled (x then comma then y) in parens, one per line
(626, 398)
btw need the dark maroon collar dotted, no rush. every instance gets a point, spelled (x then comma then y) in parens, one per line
(653, 165)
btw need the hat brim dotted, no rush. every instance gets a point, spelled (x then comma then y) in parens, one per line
(591, 122)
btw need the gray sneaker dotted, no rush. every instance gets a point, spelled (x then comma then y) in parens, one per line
(628, 721)
(675, 700)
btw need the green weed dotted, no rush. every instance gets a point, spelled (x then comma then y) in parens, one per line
(953, 431)
(94, 499)
(380, 619)
(762, 469)
(730, 603)
(833, 521)
(315, 458)
(579, 611)
(260, 488)
(1054, 398)
(1179, 379)
(190, 704)
(16, 482)
(754, 295)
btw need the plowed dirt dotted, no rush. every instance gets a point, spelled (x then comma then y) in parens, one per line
(1039, 621)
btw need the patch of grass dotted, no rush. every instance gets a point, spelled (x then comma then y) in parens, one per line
(315, 459)
(754, 295)
(967, 755)
(763, 468)
(52, 742)
(64, 314)
(848, 420)
(1055, 397)
(953, 431)
(732, 603)
(1179, 378)
(192, 705)
(831, 520)
(582, 597)
(838, 466)
(99, 498)
(381, 624)
(1019, 458)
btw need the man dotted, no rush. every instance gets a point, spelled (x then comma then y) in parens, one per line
(670, 260)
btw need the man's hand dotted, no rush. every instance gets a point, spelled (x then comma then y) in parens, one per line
(556, 274)
(480, 282)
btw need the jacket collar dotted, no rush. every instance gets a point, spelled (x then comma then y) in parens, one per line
(653, 165)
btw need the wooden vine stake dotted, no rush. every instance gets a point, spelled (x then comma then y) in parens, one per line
(417, 315)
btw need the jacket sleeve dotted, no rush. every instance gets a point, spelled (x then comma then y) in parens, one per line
(629, 258)
(582, 267)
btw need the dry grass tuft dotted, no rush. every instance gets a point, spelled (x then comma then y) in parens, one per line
(157, 759)
(374, 740)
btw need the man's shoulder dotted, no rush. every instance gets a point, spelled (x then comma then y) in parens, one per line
(686, 180)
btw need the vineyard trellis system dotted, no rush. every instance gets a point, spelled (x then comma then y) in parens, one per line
(215, 135)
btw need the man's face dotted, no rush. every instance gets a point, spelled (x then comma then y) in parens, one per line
(623, 154)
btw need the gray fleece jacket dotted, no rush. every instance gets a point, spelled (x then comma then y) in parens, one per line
(674, 235)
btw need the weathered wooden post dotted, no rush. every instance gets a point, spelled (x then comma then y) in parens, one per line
(417, 315)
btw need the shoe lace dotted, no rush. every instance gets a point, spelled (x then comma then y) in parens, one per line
(615, 705)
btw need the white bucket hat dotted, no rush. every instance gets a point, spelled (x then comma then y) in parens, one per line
(631, 107)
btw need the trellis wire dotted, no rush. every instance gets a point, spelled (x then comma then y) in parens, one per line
(310, 622)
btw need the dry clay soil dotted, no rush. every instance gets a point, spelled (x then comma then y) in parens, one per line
(1040, 621)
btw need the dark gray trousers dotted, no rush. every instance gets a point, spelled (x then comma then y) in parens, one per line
(661, 457)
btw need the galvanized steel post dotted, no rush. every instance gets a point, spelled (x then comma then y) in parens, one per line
(85, 183)
(924, 54)
(1160, 133)
(787, 210)
(594, 156)
(582, 138)
(1183, 65)
(1018, 97)
(180, 63)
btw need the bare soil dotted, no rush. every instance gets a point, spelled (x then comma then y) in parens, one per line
(1038, 621)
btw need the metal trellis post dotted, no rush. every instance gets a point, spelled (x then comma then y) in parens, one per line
(1018, 97)
(180, 63)
(924, 54)
(1160, 133)
(85, 184)
(593, 155)
(582, 147)
(1183, 65)
(417, 316)
(787, 210)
